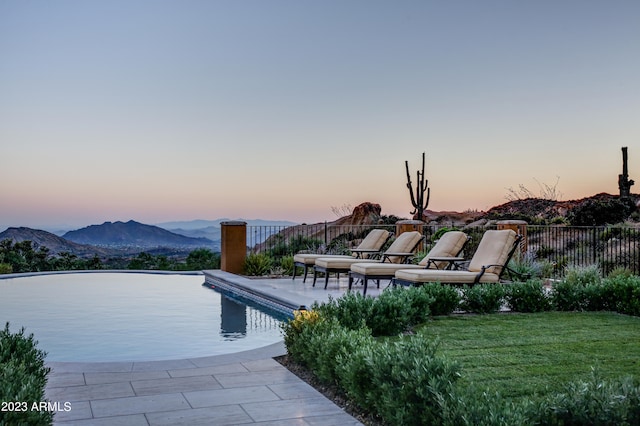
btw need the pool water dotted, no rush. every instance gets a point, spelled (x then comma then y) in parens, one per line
(91, 317)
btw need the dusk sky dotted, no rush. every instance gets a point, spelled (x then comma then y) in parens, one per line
(200, 109)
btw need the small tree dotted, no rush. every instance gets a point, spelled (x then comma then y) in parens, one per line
(422, 186)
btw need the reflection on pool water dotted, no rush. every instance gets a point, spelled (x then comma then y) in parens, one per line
(107, 316)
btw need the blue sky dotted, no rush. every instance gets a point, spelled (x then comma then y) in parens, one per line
(159, 110)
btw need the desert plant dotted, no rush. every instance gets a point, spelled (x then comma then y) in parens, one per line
(301, 318)
(482, 298)
(403, 381)
(529, 296)
(471, 406)
(528, 266)
(419, 303)
(390, 313)
(583, 275)
(546, 192)
(286, 264)
(620, 271)
(394, 311)
(23, 377)
(623, 294)
(257, 264)
(418, 200)
(5, 268)
(445, 298)
(352, 310)
(594, 401)
(601, 212)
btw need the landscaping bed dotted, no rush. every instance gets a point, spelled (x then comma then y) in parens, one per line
(404, 359)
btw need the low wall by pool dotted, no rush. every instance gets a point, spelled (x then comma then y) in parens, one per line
(251, 290)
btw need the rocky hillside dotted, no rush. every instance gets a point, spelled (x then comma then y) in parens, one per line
(598, 209)
(54, 243)
(132, 234)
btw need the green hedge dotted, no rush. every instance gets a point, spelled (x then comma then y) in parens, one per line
(23, 377)
(403, 380)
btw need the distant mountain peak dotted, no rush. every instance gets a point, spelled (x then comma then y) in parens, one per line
(54, 243)
(132, 233)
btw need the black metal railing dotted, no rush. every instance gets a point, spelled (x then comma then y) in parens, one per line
(608, 247)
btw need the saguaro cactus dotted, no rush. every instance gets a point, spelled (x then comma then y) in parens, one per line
(624, 183)
(418, 200)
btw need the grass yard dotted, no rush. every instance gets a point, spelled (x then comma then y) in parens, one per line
(532, 354)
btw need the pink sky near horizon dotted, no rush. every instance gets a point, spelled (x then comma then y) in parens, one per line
(159, 111)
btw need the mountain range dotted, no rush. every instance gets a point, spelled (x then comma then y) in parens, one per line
(132, 234)
(118, 238)
(54, 243)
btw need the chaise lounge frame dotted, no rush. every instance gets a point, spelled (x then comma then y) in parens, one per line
(446, 261)
(390, 255)
(365, 250)
(466, 277)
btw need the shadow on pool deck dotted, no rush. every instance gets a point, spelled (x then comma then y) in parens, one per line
(241, 388)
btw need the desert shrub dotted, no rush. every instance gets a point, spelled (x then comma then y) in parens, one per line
(23, 377)
(559, 220)
(403, 381)
(583, 275)
(389, 313)
(286, 265)
(601, 212)
(482, 298)
(580, 290)
(619, 271)
(529, 296)
(352, 310)
(593, 401)
(328, 342)
(445, 298)
(257, 264)
(471, 406)
(527, 266)
(568, 296)
(5, 268)
(419, 303)
(395, 310)
(622, 294)
(293, 328)
(278, 246)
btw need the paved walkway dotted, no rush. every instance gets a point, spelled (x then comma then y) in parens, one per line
(242, 388)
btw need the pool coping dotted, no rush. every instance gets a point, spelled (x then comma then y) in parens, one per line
(247, 387)
(254, 290)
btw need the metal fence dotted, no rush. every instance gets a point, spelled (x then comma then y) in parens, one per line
(608, 247)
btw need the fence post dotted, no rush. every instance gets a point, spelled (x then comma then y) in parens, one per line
(325, 234)
(233, 246)
(594, 244)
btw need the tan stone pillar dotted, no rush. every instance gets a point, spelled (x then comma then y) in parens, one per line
(233, 246)
(410, 225)
(520, 227)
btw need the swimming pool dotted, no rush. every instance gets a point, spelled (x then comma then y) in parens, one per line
(118, 316)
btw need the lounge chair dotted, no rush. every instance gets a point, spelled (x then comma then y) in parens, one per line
(487, 265)
(399, 251)
(443, 255)
(369, 248)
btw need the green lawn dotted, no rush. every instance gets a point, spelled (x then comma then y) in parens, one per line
(526, 354)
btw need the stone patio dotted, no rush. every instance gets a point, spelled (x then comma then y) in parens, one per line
(233, 389)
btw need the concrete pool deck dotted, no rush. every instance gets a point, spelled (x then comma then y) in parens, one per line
(242, 388)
